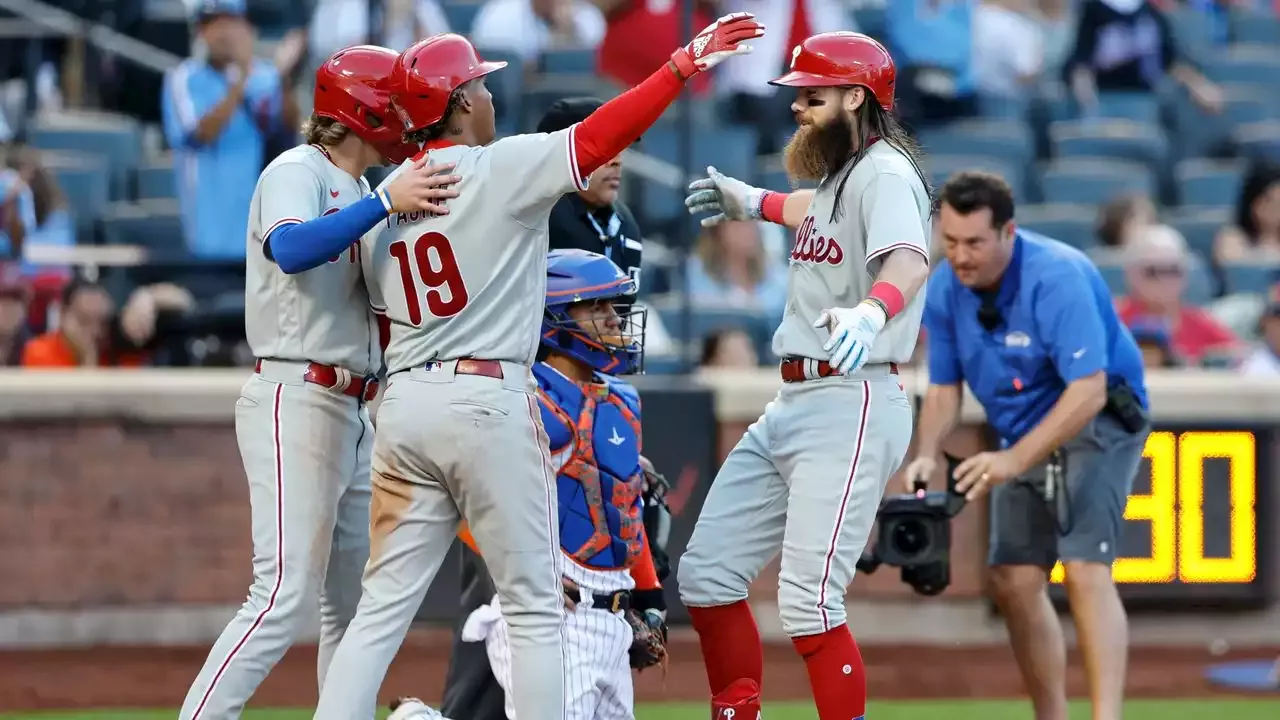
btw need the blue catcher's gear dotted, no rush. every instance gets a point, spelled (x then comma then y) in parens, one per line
(612, 342)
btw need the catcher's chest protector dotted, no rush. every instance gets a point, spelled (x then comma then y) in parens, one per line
(594, 432)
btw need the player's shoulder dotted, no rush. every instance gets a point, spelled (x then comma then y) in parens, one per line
(624, 390)
(557, 388)
(299, 156)
(885, 160)
(1046, 259)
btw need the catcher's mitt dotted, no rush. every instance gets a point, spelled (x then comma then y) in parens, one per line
(649, 644)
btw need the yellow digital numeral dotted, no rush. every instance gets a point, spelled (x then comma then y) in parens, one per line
(1177, 527)
(1157, 507)
(1242, 564)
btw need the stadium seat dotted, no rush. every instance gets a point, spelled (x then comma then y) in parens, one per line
(1201, 285)
(152, 224)
(154, 180)
(869, 19)
(1248, 104)
(85, 180)
(1003, 109)
(1071, 224)
(1251, 278)
(568, 62)
(941, 167)
(1260, 139)
(1254, 27)
(1134, 107)
(1008, 141)
(1113, 139)
(115, 137)
(1208, 183)
(1199, 226)
(1255, 64)
(1094, 181)
(461, 15)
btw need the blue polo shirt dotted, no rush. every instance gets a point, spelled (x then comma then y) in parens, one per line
(215, 181)
(1060, 325)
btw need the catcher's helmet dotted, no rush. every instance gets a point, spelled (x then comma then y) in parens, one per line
(351, 88)
(575, 276)
(842, 58)
(428, 72)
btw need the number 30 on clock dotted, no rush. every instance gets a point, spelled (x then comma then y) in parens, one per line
(1174, 511)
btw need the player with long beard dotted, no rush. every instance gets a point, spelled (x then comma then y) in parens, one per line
(807, 477)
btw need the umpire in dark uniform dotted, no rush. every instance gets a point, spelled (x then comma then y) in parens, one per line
(593, 220)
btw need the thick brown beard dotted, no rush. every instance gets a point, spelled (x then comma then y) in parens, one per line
(815, 151)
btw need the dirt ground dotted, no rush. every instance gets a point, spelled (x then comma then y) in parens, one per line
(158, 677)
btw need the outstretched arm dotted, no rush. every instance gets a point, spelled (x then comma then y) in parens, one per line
(621, 121)
(731, 199)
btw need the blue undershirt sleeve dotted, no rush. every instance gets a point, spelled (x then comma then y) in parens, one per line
(300, 246)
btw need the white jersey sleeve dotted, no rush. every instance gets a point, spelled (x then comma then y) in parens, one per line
(533, 171)
(290, 193)
(891, 219)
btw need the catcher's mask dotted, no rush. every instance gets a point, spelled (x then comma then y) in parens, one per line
(608, 332)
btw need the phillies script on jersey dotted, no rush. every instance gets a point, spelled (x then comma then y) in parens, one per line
(814, 248)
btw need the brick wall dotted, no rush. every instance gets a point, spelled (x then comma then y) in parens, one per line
(117, 514)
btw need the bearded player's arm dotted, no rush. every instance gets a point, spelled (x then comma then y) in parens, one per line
(897, 242)
(614, 126)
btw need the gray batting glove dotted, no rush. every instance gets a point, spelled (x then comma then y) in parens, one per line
(729, 198)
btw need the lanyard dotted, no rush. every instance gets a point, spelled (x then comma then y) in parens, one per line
(606, 233)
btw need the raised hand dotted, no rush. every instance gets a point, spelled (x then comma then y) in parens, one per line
(721, 39)
(423, 187)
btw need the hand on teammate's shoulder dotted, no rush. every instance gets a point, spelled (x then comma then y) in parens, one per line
(423, 187)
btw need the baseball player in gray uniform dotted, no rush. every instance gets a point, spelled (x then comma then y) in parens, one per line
(459, 430)
(301, 421)
(807, 477)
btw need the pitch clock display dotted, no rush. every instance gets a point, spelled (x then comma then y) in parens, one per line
(1192, 523)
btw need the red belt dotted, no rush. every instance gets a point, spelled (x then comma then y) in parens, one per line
(793, 369)
(332, 378)
(486, 368)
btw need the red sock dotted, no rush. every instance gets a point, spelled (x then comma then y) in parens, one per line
(730, 643)
(836, 673)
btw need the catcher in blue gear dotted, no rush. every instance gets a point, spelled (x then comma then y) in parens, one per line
(613, 521)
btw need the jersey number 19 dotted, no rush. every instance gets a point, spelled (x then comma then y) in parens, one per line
(446, 294)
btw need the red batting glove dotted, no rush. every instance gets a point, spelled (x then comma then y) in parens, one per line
(719, 40)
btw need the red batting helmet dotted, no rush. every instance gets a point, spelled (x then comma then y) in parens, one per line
(842, 58)
(351, 88)
(428, 72)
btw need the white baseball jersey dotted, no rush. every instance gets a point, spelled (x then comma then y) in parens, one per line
(885, 207)
(322, 314)
(471, 284)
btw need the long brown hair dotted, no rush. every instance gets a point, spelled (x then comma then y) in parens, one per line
(709, 248)
(324, 131)
(46, 196)
(873, 121)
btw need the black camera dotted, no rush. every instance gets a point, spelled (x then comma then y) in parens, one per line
(915, 535)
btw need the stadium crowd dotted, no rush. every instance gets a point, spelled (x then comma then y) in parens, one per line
(1146, 133)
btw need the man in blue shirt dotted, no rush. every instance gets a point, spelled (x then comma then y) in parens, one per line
(1028, 323)
(218, 109)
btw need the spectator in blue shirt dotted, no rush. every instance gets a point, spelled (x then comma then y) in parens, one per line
(45, 213)
(1028, 323)
(218, 110)
(932, 41)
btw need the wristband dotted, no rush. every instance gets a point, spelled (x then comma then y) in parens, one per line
(771, 205)
(385, 198)
(889, 297)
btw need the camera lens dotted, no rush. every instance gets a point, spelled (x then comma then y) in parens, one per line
(910, 537)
